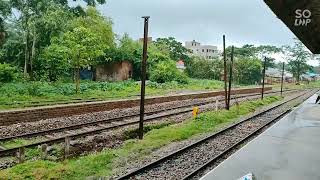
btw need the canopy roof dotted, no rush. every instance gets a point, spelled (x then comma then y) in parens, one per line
(286, 11)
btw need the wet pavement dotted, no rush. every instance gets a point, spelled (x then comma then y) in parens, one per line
(289, 150)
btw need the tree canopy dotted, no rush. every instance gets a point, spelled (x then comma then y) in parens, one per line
(297, 57)
(176, 50)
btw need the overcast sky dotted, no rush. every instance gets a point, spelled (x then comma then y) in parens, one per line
(242, 21)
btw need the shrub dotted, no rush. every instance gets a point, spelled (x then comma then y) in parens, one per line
(204, 69)
(8, 73)
(247, 71)
(166, 72)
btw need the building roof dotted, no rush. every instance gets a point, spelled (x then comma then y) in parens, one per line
(277, 73)
(286, 10)
(180, 64)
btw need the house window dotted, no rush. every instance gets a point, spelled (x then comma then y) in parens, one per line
(202, 50)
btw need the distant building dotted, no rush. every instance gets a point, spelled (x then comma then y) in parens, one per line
(205, 51)
(180, 65)
(115, 71)
(274, 75)
(309, 76)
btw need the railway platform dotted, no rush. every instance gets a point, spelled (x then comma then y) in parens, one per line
(289, 150)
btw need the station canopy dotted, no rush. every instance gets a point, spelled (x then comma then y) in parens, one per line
(302, 17)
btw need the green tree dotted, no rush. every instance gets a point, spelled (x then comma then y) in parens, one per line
(247, 50)
(267, 50)
(12, 51)
(87, 40)
(31, 13)
(126, 50)
(98, 24)
(251, 51)
(130, 50)
(297, 57)
(201, 68)
(4, 12)
(7, 73)
(248, 70)
(256, 52)
(54, 63)
(80, 47)
(176, 50)
(58, 20)
(166, 72)
(92, 2)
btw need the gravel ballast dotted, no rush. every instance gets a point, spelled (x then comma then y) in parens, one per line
(179, 166)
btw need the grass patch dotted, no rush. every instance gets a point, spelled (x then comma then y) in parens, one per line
(303, 85)
(55, 152)
(29, 94)
(107, 161)
(134, 133)
(18, 142)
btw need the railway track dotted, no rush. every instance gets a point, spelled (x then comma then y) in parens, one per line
(188, 162)
(112, 123)
(117, 120)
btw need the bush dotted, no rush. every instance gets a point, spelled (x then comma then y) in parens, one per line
(167, 72)
(8, 73)
(204, 69)
(247, 71)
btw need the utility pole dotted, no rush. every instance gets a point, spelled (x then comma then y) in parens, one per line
(143, 74)
(225, 71)
(282, 78)
(263, 76)
(230, 78)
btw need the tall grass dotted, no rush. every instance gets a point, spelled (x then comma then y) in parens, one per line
(24, 94)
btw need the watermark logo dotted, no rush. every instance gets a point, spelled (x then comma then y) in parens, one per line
(303, 17)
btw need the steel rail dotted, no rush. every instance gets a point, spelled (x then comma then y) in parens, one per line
(82, 134)
(182, 150)
(243, 140)
(110, 120)
(225, 152)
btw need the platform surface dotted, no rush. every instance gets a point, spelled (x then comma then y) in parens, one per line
(289, 150)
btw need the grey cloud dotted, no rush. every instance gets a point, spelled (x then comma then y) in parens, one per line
(243, 22)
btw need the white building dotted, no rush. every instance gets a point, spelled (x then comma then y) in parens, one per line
(205, 51)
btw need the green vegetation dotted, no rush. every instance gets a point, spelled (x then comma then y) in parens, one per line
(134, 133)
(204, 69)
(167, 72)
(23, 94)
(50, 42)
(248, 71)
(8, 73)
(86, 41)
(297, 57)
(107, 161)
(303, 85)
(16, 142)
